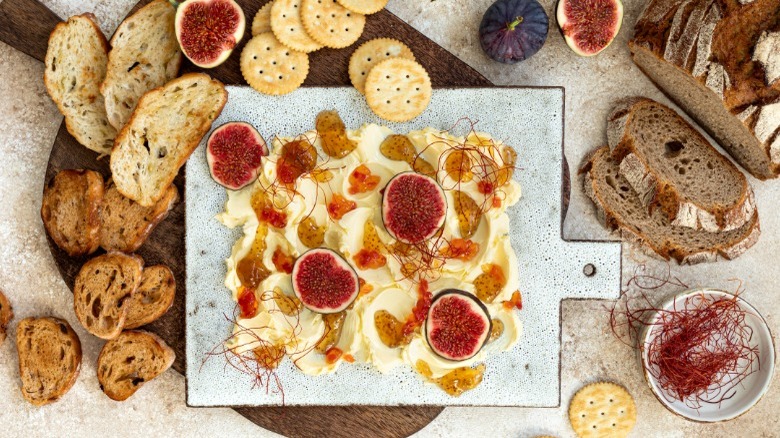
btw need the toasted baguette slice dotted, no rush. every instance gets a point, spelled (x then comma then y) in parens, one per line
(49, 358)
(71, 210)
(144, 55)
(620, 209)
(102, 290)
(673, 167)
(125, 224)
(130, 360)
(153, 298)
(6, 315)
(75, 67)
(164, 130)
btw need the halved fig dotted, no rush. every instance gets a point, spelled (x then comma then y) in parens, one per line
(458, 325)
(589, 26)
(234, 152)
(324, 281)
(413, 207)
(208, 30)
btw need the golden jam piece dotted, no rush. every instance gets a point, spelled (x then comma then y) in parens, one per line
(469, 213)
(398, 147)
(339, 206)
(421, 166)
(497, 330)
(371, 239)
(390, 329)
(322, 175)
(460, 249)
(282, 262)
(297, 157)
(455, 382)
(458, 166)
(290, 305)
(333, 323)
(333, 134)
(266, 212)
(361, 180)
(269, 356)
(490, 282)
(251, 271)
(311, 234)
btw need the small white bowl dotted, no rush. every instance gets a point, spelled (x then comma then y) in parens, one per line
(748, 393)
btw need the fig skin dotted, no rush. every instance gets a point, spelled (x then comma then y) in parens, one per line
(513, 30)
(466, 296)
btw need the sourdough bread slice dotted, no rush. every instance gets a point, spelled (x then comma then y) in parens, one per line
(144, 55)
(153, 298)
(125, 224)
(70, 210)
(49, 358)
(6, 315)
(75, 67)
(126, 363)
(102, 290)
(620, 209)
(165, 128)
(717, 59)
(673, 167)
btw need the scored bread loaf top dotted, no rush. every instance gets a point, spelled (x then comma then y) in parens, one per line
(165, 128)
(153, 298)
(673, 167)
(722, 66)
(132, 359)
(144, 55)
(620, 209)
(75, 62)
(49, 358)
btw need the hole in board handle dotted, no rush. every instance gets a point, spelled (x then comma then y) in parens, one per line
(589, 270)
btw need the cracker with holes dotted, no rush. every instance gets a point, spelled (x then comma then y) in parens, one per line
(287, 26)
(365, 7)
(398, 89)
(262, 21)
(270, 67)
(372, 53)
(602, 410)
(331, 24)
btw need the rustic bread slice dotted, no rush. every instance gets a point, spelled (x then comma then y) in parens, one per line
(75, 67)
(6, 315)
(144, 55)
(70, 210)
(164, 130)
(102, 290)
(673, 167)
(132, 359)
(153, 298)
(125, 224)
(49, 358)
(619, 208)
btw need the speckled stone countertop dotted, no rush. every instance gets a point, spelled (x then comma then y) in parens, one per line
(29, 277)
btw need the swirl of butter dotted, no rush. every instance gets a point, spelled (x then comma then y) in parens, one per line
(400, 304)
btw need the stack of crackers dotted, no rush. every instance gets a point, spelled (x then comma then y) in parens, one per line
(276, 61)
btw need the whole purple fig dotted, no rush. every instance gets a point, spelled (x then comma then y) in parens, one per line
(513, 30)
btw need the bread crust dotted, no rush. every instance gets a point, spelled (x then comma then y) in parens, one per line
(137, 353)
(6, 315)
(76, 232)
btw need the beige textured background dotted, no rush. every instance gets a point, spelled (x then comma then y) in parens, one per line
(29, 277)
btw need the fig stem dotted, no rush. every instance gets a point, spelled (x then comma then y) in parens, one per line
(174, 3)
(511, 26)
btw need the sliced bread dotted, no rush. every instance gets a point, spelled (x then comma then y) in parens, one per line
(153, 298)
(165, 128)
(673, 167)
(6, 315)
(75, 67)
(49, 358)
(144, 55)
(132, 359)
(620, 208)
(102, 289)
(70, 210)
(125, 224)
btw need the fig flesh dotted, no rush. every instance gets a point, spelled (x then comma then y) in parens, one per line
(458, 325)
(234, 152)
(324, 282)
(589, 26)
(208, 30)
(513, 30)
(413, 207)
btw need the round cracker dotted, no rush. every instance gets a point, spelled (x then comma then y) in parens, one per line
(287, 26)
(398, 89)
(270, 67)
(331, 24)
(262, 21)
(602, 410)
(372, 53)
(365, 7)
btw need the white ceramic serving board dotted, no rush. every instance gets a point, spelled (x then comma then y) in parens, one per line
(551, 269)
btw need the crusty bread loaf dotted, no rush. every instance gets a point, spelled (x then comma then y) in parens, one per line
(75, 67)
(673, 167)
(126, 363)
(619, 208)
(6, 315)
(144, 55)
(102, 290)
(153, 298)
(125, 224)
(165, 128)
(49, 358)
(70, 210)
(717, 59)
